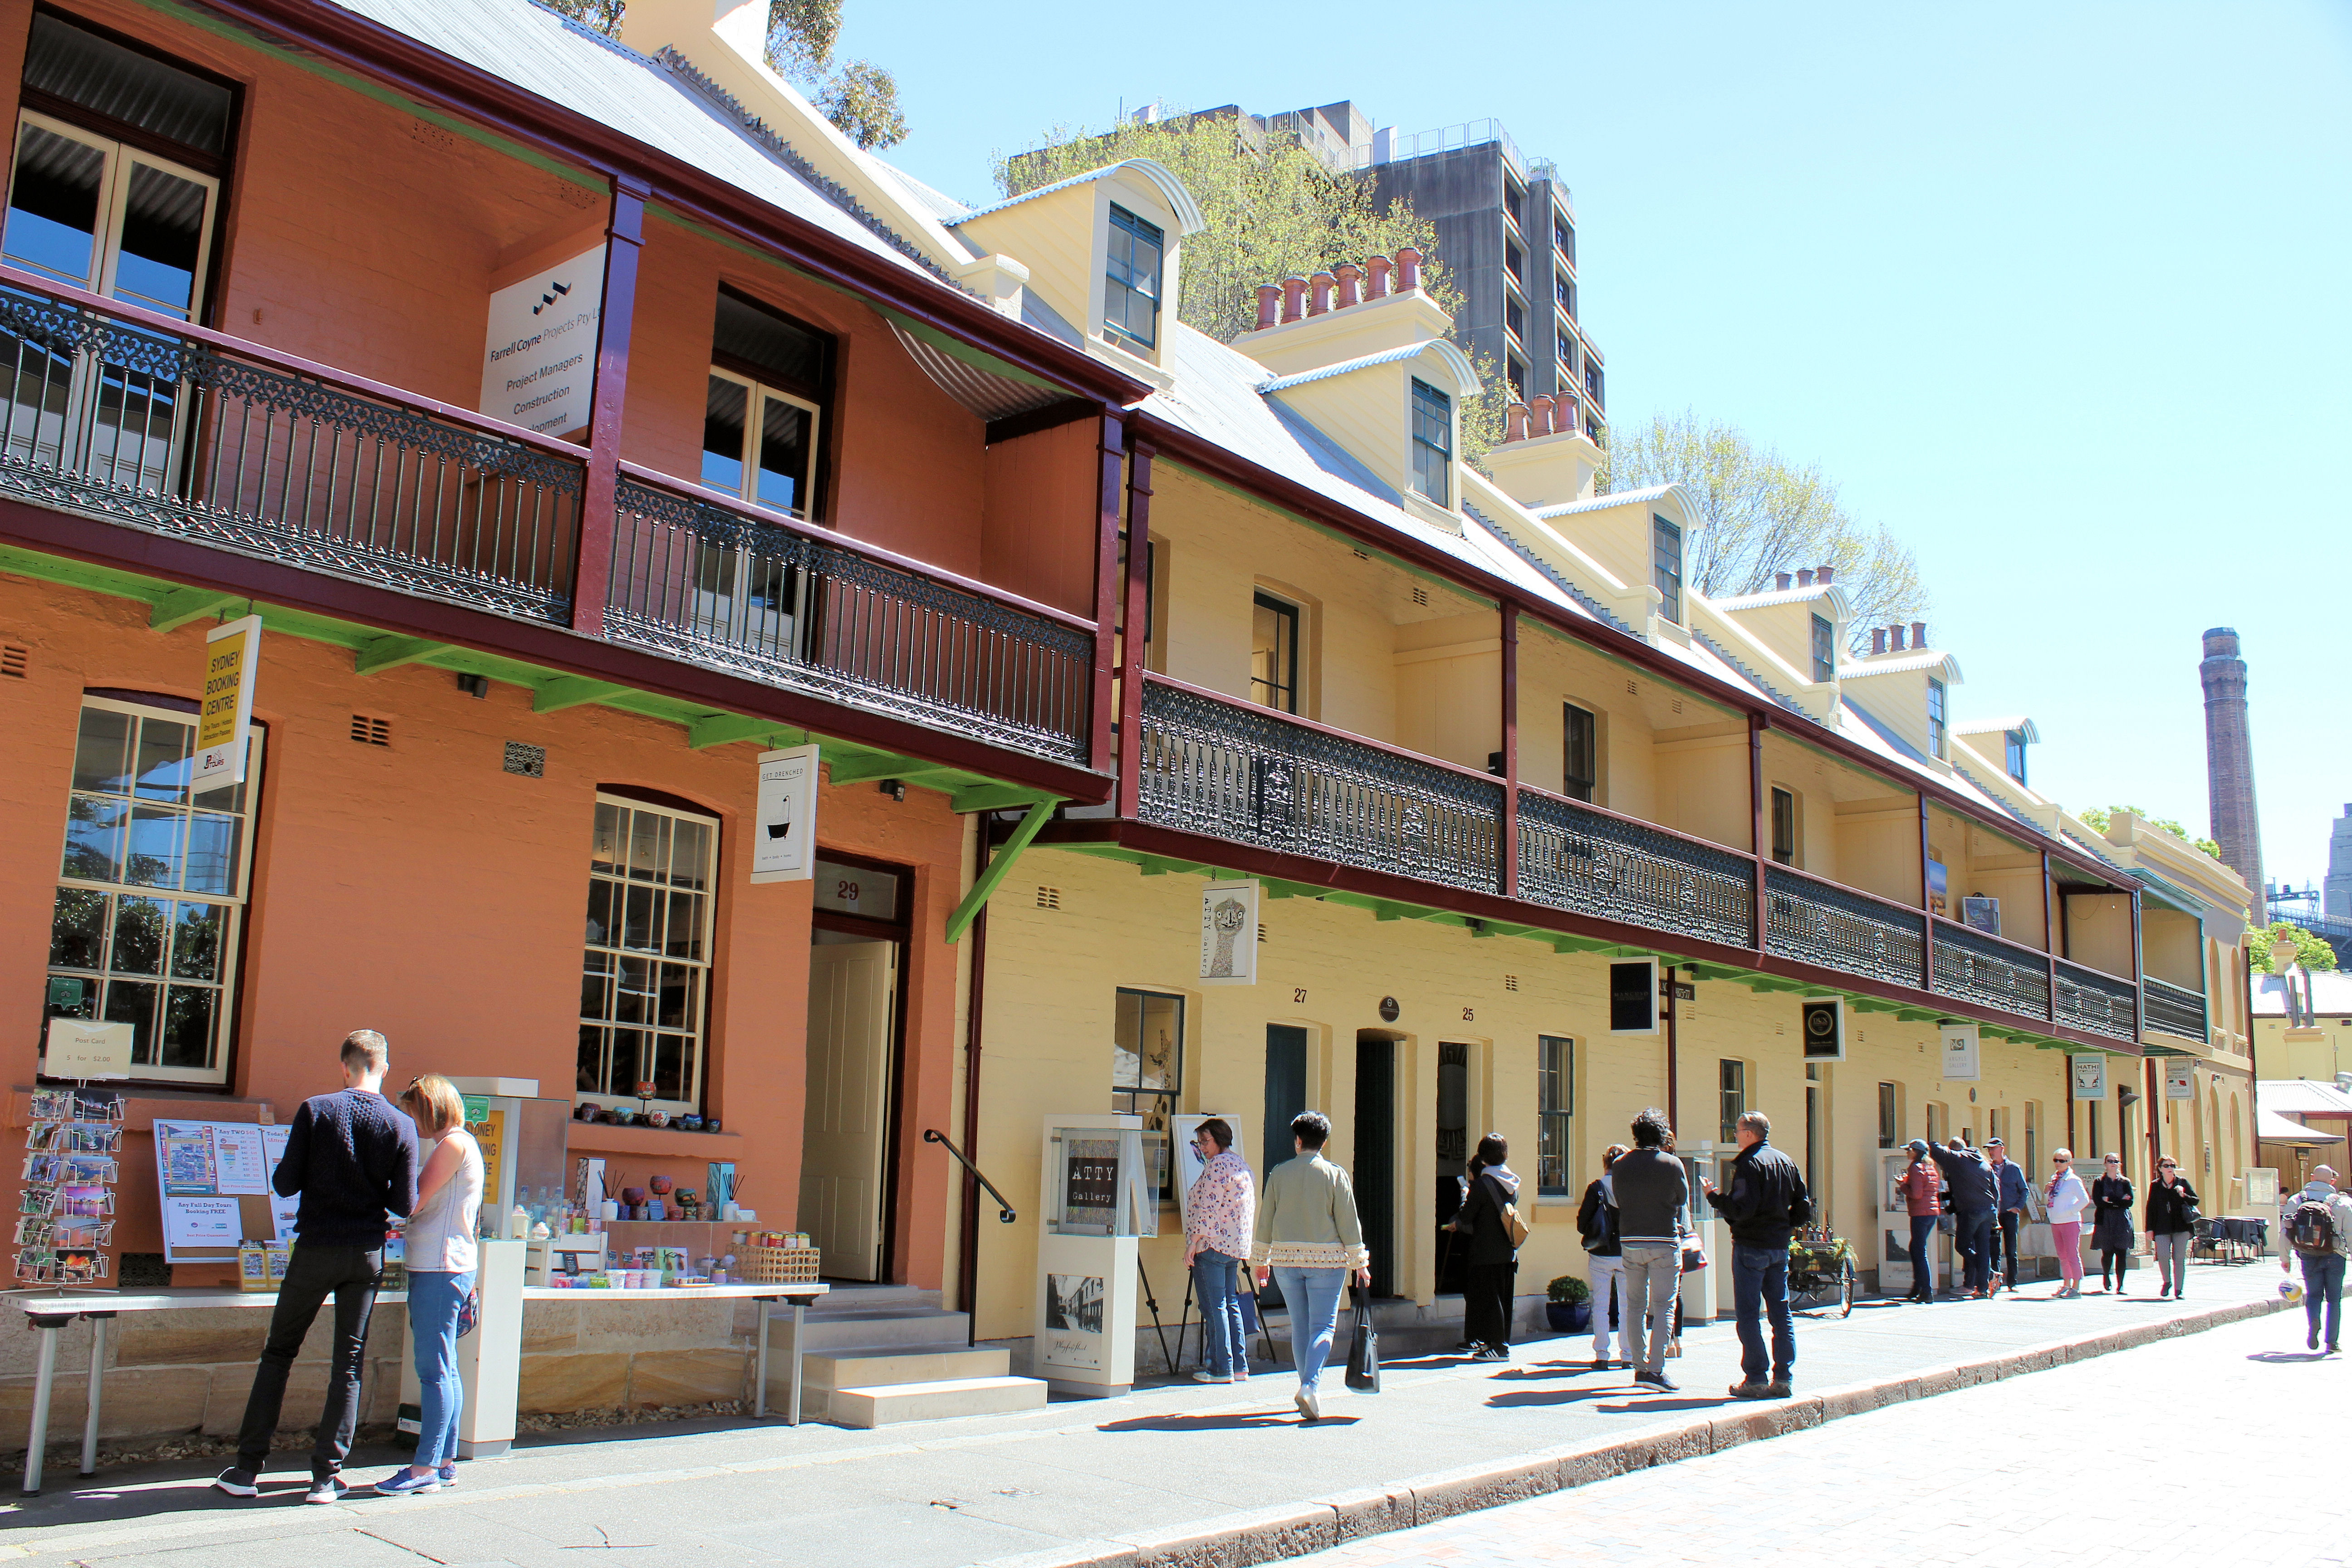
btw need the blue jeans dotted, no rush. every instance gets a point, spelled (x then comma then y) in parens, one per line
(1313, 1297)
(1223, 1341)
(433, 1298)
(1923, 1260)
(1759, 1283)
(2323, 1286)
(1972, 1236)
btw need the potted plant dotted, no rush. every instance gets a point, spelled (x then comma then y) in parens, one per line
(1568, 1305)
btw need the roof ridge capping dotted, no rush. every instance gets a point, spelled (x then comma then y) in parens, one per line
(1679, 492)
(1457, 364)
(1189, 219)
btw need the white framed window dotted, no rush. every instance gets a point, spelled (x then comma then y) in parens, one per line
(760, 443)
(645, 988)
(1131, 277)
(151, 892)
(1555, 1114)
(1432, 443)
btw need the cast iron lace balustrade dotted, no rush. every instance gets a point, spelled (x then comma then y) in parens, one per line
(1590, 862)
(2175, 1009)
(1976, 967)
(176, 432)
(1840, 928)
(2101, 1003)
(697, 579)
(1246, 774)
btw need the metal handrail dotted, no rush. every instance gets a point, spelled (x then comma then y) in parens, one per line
(1004, 1208)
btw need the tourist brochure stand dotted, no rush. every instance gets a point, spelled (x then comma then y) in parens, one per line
(1100, 1192)
(212, 1181)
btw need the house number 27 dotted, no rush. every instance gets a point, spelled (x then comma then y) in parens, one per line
(1299, 993)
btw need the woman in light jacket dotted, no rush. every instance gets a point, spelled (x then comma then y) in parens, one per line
(1309, 1240)
(440, 1250)
(2067, 1200)
(1219, 1213)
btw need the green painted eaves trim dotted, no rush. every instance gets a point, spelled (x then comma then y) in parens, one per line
(152, 590)
(222, 28)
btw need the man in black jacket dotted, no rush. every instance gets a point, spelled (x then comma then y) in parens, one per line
(352, 1157)
(1764, 1205)
(1974, 1191)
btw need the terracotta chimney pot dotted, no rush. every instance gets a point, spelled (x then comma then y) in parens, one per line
(1379, 267)
(1408, 260)
(1294, 296)
(1878, 639)
(1515, 422)
(1918, 633)
(1269, 300)
(1895, 637)
(1318, 294)
(1540, 417)
(1804, 577)
(1350, 277)
(1824, 575)
(1780, 581)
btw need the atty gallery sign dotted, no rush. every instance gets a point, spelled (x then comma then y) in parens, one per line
(538, 364)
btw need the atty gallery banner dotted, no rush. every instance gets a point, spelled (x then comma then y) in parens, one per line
(538, 364)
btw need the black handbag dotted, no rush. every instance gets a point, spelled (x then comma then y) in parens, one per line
(1364, 1356)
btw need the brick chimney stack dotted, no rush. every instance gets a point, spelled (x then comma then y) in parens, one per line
(2230, 762)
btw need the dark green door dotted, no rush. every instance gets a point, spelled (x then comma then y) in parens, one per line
(1286, 1092)
(1373, 1171)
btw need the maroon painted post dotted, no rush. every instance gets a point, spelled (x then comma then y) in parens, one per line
(1928, 906)
(2139, 977)
(1758, 839)
(592, 561)
(2052, 912)
(1113, 448)
(1509, 849)
(1133, 614)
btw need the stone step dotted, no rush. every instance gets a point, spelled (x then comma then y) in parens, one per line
(834, 1332)
(893, 1403)
(855, 1297)
(872, 1368)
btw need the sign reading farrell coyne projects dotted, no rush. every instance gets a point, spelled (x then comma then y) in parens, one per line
(783, 833)
(538, 364)
(225, 719)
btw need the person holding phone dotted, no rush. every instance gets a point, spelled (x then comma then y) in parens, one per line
(1219, 1213)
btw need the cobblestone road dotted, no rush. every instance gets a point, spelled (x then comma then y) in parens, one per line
(2179, 1453)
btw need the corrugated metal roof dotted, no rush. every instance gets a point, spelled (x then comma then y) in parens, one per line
(1617, 498)
(2331, 994)
(1862, 670)
(1998, 726)
(1162, 178)
(1785, 596)
(1465, 378)
(989, 396)
(2301, 1096)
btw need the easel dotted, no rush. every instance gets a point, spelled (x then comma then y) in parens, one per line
(1160, 1328)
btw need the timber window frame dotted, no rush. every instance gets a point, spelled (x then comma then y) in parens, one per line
(1731, 1093)
(1432, 413)
(1134, 265)
(151, 891)
(1784, 825)
(1667, 567)
(1555, 1115)
(646, 974)
(1824, 650)
(1580, 730)
(1274, 652)
(1939, 730)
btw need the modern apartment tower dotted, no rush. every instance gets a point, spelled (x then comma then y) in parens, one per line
(2229, 762)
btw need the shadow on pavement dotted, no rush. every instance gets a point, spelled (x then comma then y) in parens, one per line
(1223, 1423)
(2287, 1358)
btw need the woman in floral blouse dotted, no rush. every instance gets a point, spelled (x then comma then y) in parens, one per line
(1220, 1210)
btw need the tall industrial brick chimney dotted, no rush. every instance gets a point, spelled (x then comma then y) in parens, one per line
(2230, 762)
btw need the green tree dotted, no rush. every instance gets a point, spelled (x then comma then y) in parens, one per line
(1760, 513)
(2309, 951)
(2098, 817)
(1271, 211)
(859, 96)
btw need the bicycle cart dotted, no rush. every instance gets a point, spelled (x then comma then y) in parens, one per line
(1820, 1273)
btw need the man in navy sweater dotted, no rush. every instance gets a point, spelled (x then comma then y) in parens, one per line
(352, 1157)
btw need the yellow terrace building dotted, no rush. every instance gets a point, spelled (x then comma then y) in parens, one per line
(1480, 748)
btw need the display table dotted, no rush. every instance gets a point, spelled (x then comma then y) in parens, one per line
(51, 1312)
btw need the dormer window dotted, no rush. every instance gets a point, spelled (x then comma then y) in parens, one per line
(1131, 279)
(1667, 566)
(1938, 746)
(1824, 650)
(1432, 443)
(2013, 753)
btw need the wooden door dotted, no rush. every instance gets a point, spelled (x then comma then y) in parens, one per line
(852, 989)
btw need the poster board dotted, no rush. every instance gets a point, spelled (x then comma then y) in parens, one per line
(212, 1181)
(785, 821)
(1229, 933)
(1962, 1053)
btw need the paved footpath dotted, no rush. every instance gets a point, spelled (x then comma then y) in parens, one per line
(1187, 1474)
(2185, 1451)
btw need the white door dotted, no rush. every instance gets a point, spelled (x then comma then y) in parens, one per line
(853, 986)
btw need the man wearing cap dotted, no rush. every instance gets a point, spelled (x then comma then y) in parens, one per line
(1973, 1194)
(1923, 1188)
(2008, 1189)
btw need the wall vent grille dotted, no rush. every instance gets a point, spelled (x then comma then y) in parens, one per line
(1049, 898)
(370, 732)
(14, 660)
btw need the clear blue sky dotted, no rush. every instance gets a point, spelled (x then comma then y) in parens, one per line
(2059, 292)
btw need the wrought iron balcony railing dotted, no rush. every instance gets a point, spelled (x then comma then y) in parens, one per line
(1978, 967)
(2175, 1009)
(1210, 764)
(2096, 1001)
(697, 575)
(131, 418)
(1841, 928)
(134, 418)
(1578, 858)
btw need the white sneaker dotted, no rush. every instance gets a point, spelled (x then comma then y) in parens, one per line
(1309, 1405)
(1206, 1376)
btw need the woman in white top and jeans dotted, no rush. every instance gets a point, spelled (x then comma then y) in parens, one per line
(440, 1277)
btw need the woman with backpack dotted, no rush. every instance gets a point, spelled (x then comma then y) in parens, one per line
(1491, 1230)
(1596, 1222)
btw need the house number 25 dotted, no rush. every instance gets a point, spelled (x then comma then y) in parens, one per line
(1469, 1014)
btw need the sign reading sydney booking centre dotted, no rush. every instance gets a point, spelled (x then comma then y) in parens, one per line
(538, 363)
